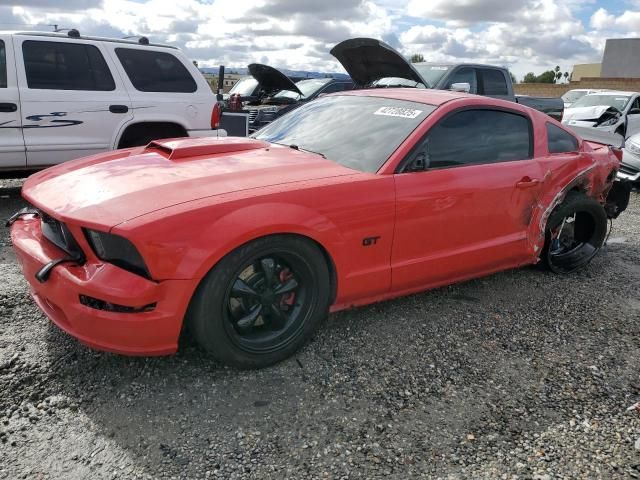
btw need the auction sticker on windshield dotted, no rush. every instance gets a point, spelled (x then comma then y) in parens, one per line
(398, 112)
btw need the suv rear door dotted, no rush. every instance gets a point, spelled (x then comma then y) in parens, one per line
(73, 101)
(165, 86)
(12, 154)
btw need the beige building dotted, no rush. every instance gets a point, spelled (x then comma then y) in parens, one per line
(587, 70)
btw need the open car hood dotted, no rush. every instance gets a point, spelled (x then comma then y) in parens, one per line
(367, 60)
(271, 78)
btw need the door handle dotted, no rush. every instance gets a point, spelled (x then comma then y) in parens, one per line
(527, 182)
(118, 108)
(8, 107)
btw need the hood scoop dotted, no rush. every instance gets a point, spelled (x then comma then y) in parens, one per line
(184, 148)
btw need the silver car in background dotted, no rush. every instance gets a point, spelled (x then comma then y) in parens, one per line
(610, 111)
(630, 168)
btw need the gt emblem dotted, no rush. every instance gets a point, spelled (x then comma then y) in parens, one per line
(368, 241)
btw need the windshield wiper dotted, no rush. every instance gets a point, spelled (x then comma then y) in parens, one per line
(296, 147)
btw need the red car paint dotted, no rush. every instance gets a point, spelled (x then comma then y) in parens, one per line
(186, 203)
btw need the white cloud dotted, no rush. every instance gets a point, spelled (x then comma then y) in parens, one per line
(601, 19)
(525, 35)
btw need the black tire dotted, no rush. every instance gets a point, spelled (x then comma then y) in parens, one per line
(237, 314)
(575, 232)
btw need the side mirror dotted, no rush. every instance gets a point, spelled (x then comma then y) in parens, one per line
(634, 111)
(460, 87)
(418, 164)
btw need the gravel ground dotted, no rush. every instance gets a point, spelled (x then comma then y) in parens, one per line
(523, 374)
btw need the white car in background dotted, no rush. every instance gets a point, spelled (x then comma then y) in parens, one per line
(610, 111)
(576, 94)
(64, 96)
(630, 167)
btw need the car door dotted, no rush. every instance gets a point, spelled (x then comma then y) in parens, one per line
(12, 152)
(463, 75)
(73, 103)
(633, 118)
(464, 199)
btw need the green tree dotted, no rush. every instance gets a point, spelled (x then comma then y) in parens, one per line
(417, 58)
(530, 78)
(546, 77)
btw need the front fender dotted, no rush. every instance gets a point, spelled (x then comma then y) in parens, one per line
(188, 244)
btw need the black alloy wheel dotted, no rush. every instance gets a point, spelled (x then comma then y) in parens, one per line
(262, 301)
(267, 302)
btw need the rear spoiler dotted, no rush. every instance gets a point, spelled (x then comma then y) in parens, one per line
(598, 136)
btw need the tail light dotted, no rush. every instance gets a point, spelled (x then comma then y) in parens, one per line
(216, 113)
(617, 152)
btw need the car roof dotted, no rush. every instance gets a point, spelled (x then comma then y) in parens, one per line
(420, 95)
(84, 37)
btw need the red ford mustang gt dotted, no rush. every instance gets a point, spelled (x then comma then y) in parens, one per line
(350, 199)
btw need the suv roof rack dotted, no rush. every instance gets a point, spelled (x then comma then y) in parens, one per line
(142, 40)
(74, 33)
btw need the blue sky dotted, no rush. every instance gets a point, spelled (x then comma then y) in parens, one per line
(524, 35)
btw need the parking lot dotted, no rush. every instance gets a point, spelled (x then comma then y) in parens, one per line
(523, 374)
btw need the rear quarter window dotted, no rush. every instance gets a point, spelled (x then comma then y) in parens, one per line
(560, 141)
(493, 82)
(152, 71)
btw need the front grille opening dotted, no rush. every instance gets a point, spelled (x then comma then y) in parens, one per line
(98, 304)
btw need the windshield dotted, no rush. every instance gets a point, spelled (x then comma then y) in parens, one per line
(573, 96)
(244, 87)
(595, 100)
(431, 73)
(307, 87)
(354, 131)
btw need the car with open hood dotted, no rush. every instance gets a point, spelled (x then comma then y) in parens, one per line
(373, 63)
(350, 199)
(283, 94)
(611, 111)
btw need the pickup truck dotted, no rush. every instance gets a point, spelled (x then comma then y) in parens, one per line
(372, 63)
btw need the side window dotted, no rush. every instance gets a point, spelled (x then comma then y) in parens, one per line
(471, 137)
(3, 65)
(152, 71)
(636, 104)
(344, 86)
(464, 75)
(493, 82)
(335, 87)
(65, 66)
(560, 141)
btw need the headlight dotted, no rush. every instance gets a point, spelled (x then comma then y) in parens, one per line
(273, 109)
(633, 148)
(117, 250)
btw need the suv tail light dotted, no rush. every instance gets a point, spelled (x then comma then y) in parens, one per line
(216, 113)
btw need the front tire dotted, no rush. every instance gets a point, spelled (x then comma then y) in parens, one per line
(261, 302)
(575, 231)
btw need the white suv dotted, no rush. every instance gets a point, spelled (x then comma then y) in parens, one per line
(63, 96)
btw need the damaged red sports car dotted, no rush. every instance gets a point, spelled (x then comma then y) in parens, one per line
(350, 199)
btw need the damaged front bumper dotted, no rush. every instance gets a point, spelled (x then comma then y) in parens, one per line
(100, 304)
